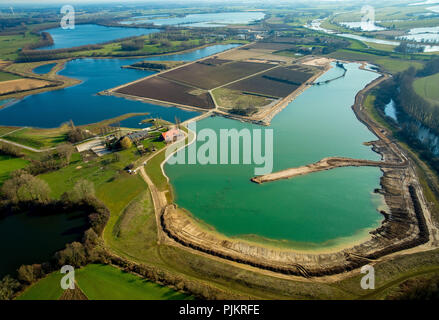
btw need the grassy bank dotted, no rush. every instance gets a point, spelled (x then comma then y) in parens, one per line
(389, 64)
(39, 138)
(102, 282)
(5, 76)
(8, 165)
(427, 87)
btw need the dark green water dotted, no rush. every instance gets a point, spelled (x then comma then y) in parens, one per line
(28, 239)
(309, 211)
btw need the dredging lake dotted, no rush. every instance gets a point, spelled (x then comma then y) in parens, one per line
(323, 209)
(81, 103)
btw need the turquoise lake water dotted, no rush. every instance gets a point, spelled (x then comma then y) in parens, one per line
(315, 209)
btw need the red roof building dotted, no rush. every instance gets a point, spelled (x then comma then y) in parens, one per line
(172, 135)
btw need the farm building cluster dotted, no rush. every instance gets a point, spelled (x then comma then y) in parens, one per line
(101, 146)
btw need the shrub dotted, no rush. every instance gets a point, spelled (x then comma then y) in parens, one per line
(23, 187)
(8, 287)
(126, 143)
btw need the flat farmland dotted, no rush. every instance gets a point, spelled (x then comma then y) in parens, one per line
(263, 86)
(292, 75)
(279, 82)
(21, 85)
(211, 76)
(271, 46)
(214, 61)
(249, 81)
(158, 88)
(427, 87)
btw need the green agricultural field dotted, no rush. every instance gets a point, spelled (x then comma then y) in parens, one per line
(227, 98)
(103, 282)
(6, 130)
(99, 171)
(5, 76)
(118, 194)
(154, 171)
(9, 45)
(115, 49)
(385, 13)
(9, 164)
(135, 232)
(427, 87)
(382, 47)
(387, 63)
(39, 138)
(48, 288)
(411, 23)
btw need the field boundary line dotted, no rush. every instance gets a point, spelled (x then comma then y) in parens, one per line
(11, 132)
(247, 77)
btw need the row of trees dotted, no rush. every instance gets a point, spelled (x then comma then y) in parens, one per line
(44, 41)
(412, 110)
(422, 110)
(10, 150)
(52, 160)
(133, 45)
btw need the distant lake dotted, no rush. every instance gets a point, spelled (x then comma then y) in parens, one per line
(84, 34)
(430, 34)
(142, 19)
(81, 103)
(204, 19)
(316, 25)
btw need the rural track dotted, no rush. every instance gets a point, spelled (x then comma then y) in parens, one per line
(11, 132)
(25, 147)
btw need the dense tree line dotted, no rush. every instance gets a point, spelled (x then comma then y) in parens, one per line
(10, 150)
(431, 68)
(413, 104)
(412, 111)
(150, 65)
(133, 45)
(27, 55)
(44, 41)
